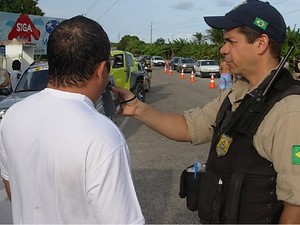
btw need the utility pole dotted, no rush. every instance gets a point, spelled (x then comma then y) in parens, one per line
(151, 33)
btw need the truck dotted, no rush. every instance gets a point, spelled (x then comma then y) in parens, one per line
(125, 73)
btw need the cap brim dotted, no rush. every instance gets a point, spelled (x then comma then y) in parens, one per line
(221, 22)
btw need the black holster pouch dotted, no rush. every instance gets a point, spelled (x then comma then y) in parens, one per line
(189, 188)
(203, 193)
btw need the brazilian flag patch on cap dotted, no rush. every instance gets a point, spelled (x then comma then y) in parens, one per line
(296, 155)
(260, 23)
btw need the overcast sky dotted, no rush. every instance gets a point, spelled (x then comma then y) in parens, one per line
(153, 19)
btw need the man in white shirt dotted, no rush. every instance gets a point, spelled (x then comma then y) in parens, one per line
(15, 74)
(70, 164)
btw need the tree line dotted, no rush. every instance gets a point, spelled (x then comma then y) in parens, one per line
(202, 46)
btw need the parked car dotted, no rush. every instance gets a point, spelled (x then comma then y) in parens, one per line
(185, 64)
(206, 68)
(174, 62)
(33, 80)
(157, 61)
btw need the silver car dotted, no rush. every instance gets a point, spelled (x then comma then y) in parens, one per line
(33, 80)
(185, 65)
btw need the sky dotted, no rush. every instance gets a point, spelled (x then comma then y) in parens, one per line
(153, 19)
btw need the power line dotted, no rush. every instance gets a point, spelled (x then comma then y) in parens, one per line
(279, 2)
(296, 10)
(183, 23)
(108, 9)
(92, 6)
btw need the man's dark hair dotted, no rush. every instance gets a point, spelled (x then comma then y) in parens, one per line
(75, 48)
(16, 64)
(251, 35)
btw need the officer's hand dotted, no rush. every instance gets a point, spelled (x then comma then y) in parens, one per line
(128, 101)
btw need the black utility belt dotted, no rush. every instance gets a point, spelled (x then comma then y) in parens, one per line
(205, 192)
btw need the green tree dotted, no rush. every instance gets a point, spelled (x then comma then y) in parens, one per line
(167, 51)
(215, 36)
(160, 41)
(292, 37)
(179, 46)
(21, 6)
(129, 43)
(199, 37)
(216, 41)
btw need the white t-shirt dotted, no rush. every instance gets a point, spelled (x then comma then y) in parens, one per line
(14, 77)
(66, 163)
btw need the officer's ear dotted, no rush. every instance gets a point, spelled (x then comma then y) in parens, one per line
(262, 43)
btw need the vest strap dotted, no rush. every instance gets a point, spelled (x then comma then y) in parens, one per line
(233, 198)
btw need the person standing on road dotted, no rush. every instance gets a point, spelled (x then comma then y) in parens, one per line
(70, 164)
(255, 145)
(225, 77)
(15, 74)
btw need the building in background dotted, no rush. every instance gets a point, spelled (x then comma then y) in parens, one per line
(23, 37)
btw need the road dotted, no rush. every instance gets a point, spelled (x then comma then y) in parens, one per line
(157, 162)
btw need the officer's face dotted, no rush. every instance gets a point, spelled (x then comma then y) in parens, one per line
(240, 55)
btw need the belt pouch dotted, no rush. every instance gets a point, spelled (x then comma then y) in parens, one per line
(189, 188)
(210, 198)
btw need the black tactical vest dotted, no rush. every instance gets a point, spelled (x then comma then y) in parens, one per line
(256, 200)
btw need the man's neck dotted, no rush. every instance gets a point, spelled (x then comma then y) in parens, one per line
(262, 71)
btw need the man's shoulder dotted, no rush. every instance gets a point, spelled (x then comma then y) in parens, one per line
(287, 105)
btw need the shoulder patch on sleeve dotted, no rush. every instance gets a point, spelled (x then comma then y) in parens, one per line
(296, 154)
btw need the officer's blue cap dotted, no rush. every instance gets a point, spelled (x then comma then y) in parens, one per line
(255, 14)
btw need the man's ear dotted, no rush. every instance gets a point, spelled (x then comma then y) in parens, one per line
(263, 43)
(101, 69)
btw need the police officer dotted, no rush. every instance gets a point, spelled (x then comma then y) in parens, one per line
(253, 127)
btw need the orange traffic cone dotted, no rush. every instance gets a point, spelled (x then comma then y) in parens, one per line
(212, 82)
(165, 70)
(170, 71)
(182, 75)
(192, 78)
